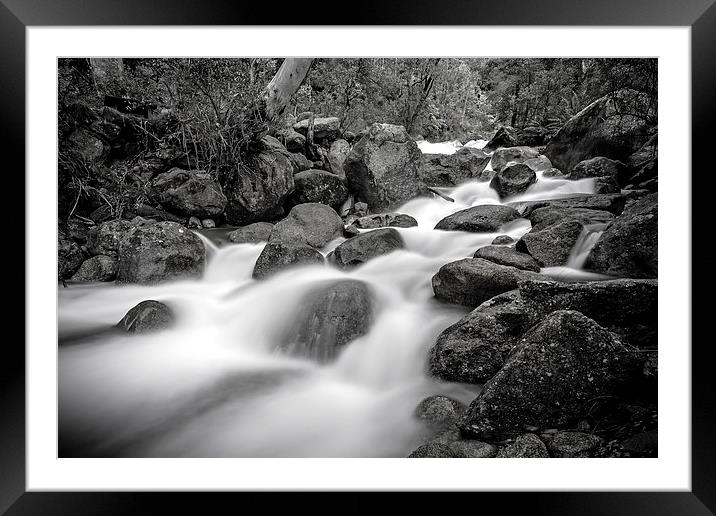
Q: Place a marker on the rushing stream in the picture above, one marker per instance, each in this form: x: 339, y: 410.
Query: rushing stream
x: 214, y: 386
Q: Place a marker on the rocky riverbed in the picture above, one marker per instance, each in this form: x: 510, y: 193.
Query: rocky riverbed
x: 394, y: 298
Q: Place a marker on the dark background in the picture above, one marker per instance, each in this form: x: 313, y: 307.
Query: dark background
x: 15, y: 15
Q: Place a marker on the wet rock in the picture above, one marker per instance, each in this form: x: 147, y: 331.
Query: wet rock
x: 383, y: 220
x: 337, y: 156
x: 163, y: 251
x: 513, y: 179
x: 383, y: 167
x: 312, y: 224
x: 503, y: 240
x: 323, y: 128
x: 329, y: 319
x: 96, y: 268
x: 472, y: 281
x: 208, y: 223
x: 440, y: 412
x: 552, y: 245
x: 560, y: 365
x: 485, y: 218
x: 471, y: 449
x: 257, y: 192
x: 453, y: 169
x: 251, y: 234
x: 146, y: 317
x: 573, y: 445
x: 526, y: 446
x: 104, y: 239
x: 597, y: 167
x: 69, y: 256
x: 351, y: 231
x: 539, y: 163
x: 474, y: 349
x: 613, y: 203
x: 628, y: 247
x: 319, y: 186
x: 603, y: 128
x: 501, y: 157
x: 553, y: 172
x: 366, y: 246
x: 278, y: 256
x: 542, y: 218
x: 627, y: 307
x: 508, y: 256
x: 433, y: 450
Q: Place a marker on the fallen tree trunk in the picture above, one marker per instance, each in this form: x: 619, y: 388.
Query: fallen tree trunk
x: 440, y: 194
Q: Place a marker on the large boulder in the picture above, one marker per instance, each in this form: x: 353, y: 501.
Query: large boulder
x: 628, y: 247
x: 337, y: 156
x: 453, y: 169
x: 605, y: 127
x: 105, y: 238
x: 383, y: 167
x: 501, y: 157
x: 484, y: 218
x: 319, y: 186
x: 507, y: 256
x: 257, y: 190
x: 513, y: 179
x: 330, y: 317
x: 474, y: 349
x: 164, y: 251
x: 69, y: 256
x: 251, y: 233
x: 312, y: 224
x: 552, y: 245
x: 366, y: 246
x: 96, y: 268
x: 146, y: 317
x: 597, y: 167
x: 625, y: 306
x: 327, y: 128
x: 385, y: 220
x: 190, y: 193
x: 561, y: 365
x: 472, y: 281
x: 505, y: 136
x: 542, y: 218
x: 539, y: 164
x: 278, y: 256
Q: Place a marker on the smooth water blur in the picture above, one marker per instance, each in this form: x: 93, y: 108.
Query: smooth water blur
x: 215, y: 386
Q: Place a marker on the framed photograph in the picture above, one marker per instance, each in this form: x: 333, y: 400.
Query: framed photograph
x: 299, y: 256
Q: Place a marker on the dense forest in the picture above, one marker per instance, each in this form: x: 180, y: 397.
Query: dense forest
x: 205, y: 108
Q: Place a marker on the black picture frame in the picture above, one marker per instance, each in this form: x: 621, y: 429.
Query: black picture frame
x: 700, y: 15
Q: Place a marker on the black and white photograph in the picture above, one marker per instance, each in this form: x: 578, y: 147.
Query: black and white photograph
x: 357, y: 257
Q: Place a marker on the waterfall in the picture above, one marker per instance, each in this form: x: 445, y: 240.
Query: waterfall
x: 214, y: 385
x: 584, y: 244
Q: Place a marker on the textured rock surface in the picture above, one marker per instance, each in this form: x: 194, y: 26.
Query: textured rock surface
x: 359, y: 249
x: 485, y: 218
x: 251, y: 233
x: 147, y: 316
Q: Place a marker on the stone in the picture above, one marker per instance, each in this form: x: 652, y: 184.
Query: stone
x: 189, y: 193
x: 69, y: 256
x: 603, y: 128
x: 453, y: 169
x: 508, y: 256
x: 146, y: 317
x: 208, y: 223
x: 613, y: 203
x: 383, y: 167
x: 472, y: 281
x: 471, y: 449
x: 501, y: 157
x: 105, y: 238
x: 513, y: 179
x: 440, y: 412
x: 503, y: 240
x: 644, y: 443
x: 278, y: 256
x: 87, y: 146
x: 251, y: 233
x: 542, y: 218
x: 319, y: 186
x: 484, y: 218
x: 194, y: 223
x: 312, y: 224
x: 330, y: 317
x: 366, y: 246
x: 474, y: 349
x: 382, y: 220
x: 552, y: 245
x: 292, y: 140
x: 96, y: 268
x: 433, y: 450
x: 573, y: 445
x: 526, y: 446
x: 628, y: 246
x: 327, y: 128
x: 159, y: 252
x: 597, y: 167
x: 337, y: 156
x: 539, y: 163
x: 553, y: 173
x: 560, y: 365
